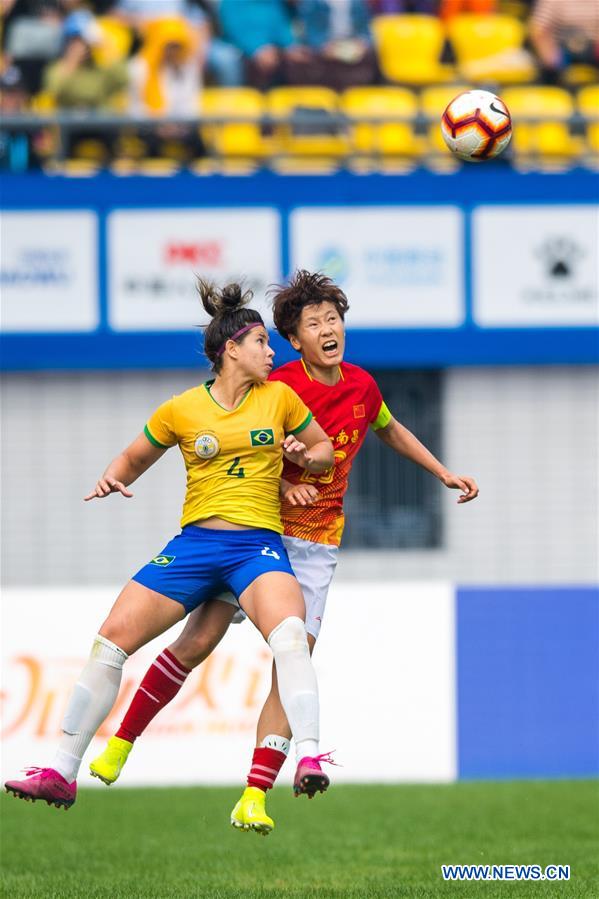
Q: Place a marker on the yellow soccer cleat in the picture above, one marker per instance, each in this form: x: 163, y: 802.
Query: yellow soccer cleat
x: 111, y: 762
x: 250, y: 812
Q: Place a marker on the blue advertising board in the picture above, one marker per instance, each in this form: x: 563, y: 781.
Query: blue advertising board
x: 483, y: 266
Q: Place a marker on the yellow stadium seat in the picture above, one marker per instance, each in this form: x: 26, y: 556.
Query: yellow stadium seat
x: 546, y: 133
x: 588, y: 101
x: 43, y: 103
x: 433, y: 101
x: 305, y: 165
x: 312, y: 130
x: 490, y: 48
x: 76, y: 168
x: 577, y: 75
x: 588, y: 105
x: 234, y: 138
x: 388, y: 138
x: 409, y: 48
x: 117, y: 39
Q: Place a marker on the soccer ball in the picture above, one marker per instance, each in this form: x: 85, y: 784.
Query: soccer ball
x: 476, y: 125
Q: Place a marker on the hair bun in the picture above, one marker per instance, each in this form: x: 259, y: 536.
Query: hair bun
x: 220, y: 302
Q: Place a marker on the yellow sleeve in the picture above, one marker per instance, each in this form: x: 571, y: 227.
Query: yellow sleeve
x: 297, y: 414
x: 382, y: 419
x: 160, y: 428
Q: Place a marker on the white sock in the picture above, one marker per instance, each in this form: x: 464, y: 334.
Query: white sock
x: 297, y: 681
x: 91, y: 700
x: 304, y: 748
x: 272, y: 741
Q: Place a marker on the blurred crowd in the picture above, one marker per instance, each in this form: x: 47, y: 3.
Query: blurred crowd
x: 152, y: 58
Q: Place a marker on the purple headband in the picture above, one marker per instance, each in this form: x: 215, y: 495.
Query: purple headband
x: 238, y: 334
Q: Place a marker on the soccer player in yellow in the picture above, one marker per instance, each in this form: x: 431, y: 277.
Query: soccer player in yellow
x: 309, y: 311
x: 232, y: 432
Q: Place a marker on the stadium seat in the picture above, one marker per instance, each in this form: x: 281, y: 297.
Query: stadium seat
x: 305, y: 165
x: 43, y: 103
x: 234, y: 138
x: 433, y: 101
x: 578, y: 75
x: 76, y: 168
x: 588, y: 105
x: 313, y: 128
x: 409, y: 48
x: 117, y: 39
x: 388, y: 138
x: 547, y: 132
x: 490, y: 48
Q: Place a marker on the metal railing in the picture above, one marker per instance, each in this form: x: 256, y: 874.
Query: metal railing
x: 311, y: 123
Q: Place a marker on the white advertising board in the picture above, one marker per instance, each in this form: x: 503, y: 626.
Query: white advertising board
x: 154, y: 256
x: 385, y: 661
x: 536, y: 266
x: 49, y: 271
x: 400, y: 266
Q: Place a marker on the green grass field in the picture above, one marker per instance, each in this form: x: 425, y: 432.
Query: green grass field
x: 358, y: 842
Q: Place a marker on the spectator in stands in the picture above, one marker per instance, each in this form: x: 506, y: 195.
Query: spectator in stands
x: 223, y: 62
x: 337, y: 35
x: 262, y: 31
x: 166, y: 80
x: 564, y: 32
x: 31, y: 36
x: 166, y: 75
x: 75, y: 80
x: 18, y: 147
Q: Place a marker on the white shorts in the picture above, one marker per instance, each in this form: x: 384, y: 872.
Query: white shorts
x: 314, y: 566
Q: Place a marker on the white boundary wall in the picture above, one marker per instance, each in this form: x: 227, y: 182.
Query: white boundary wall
x: 385, y: 661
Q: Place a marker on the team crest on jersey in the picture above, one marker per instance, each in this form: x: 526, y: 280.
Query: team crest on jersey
x: 262, y: 437
x: 207, y: 445
x: 360, y: 411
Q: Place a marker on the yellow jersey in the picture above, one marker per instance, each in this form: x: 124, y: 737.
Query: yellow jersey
x: 233, y: 457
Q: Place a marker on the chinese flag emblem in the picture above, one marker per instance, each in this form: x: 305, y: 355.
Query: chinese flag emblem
x: 360, y: 411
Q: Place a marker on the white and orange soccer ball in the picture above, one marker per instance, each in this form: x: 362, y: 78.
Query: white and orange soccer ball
x: 476, y: 125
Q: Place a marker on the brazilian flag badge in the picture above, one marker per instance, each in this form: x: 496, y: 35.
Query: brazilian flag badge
x: 162, y: 561
x: 262, y: 437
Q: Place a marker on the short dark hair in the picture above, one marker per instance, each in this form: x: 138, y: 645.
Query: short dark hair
x: 304, y: 289
x: 227, y: 306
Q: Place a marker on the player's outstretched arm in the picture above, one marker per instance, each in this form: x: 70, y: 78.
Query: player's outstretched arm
x: 314, y: 451
x: 407, y: 445
x: 126, y: 468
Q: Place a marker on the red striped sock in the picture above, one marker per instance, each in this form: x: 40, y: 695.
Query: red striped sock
x: 266, y: 764
x: 161, y: 683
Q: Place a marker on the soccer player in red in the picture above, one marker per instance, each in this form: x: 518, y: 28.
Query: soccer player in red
x: 310, y: 313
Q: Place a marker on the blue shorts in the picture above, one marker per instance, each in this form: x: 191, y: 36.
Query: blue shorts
x: 199, y: 563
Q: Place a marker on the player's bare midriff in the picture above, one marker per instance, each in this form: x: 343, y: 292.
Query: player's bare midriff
x: 219, y: 524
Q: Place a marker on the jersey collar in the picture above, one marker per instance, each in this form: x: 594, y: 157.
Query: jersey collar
x: 310, y: 378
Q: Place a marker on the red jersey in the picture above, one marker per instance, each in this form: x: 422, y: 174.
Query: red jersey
x: 345, y: 411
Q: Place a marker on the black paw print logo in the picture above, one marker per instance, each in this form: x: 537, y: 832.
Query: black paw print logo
x: 560, y: 255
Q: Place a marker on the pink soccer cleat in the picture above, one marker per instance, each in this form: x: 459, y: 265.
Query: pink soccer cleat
x: 309, y: 777
x: 44, y: 783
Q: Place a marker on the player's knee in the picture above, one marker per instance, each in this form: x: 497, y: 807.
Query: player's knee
x: 289, y: 637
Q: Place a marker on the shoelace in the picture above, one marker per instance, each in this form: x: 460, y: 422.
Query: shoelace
x: 34, y: 770
x: 327, y: 757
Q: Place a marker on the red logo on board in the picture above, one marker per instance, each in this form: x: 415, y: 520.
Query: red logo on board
x: 360, y: 411
x: 209, y: 252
